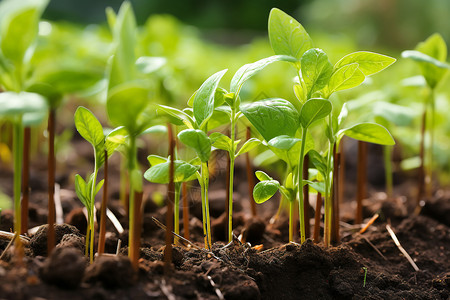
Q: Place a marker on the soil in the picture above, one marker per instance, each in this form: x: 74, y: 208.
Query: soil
x: 362, y: 266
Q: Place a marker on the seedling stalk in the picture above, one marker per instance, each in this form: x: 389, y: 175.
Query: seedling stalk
x: 102, y: 233
x: 250, y: 179
x: 317, y: 218
x: 51, y: 240
x: 185, y: 210
x: 170, y: 201
x: 362, y: 179
x: 25, y: 179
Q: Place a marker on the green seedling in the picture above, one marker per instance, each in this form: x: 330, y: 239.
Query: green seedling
x: 128, y: 106
x: 365, y: 276
x: 318, y: 79
x: 431, y: 55
x: 92, y: 131
x: 18, y: 31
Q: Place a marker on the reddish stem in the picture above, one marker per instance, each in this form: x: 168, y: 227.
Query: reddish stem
x: 51, y: 182
x: 317, y: 218
x: 102, y: 233
x: 361, y: 181
x: 335, y: 196
x: 170, y: 202
x: 137, y: 229
x: 250, y: 179
x: 421, y: 175
x: 306, y: 197
x: 25, y: 179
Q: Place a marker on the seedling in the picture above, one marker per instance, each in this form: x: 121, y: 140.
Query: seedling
x: 431, y: 55
x: 318, y: 79
x: 365, y: 276
x: 91, y: 130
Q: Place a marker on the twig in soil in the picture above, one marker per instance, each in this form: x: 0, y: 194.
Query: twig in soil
x: 216, y: 289
x: 119, y: 244
x: 114, y: 220
x: 4, y: 235
x: 11, y: 242
x: 162, y: 226
x: 374, y: 247
x: 402, y: 250
x: 375, y: 216
x: 167, y: 291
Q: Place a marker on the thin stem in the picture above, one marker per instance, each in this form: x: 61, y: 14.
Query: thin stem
x: 250, y: 179
x: 51, y: 182
x: 362, y: 178
x: 176, y: 211
x: 102, y: 233
x: 387, y: 155
x: 335, y: 194
x: 185, y: 211
x: 301, y: 206
x: 316, y: 234
x: 88, y: 231
x: 291, y: 220
x: 429, y: 169
x: 306, y: 197
x: 171, y: 197
x: 205, y: 205
x: 18, y: 153
x: 230, y: 191
x: 132, y: 221
x: 25, y: 177
x: 328, y: 185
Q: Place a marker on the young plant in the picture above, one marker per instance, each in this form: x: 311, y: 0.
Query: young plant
x: 18, y: 31
x: 431, y: 55
x: 92, y: 131
x: 318, y: 79
x: 128, y: 106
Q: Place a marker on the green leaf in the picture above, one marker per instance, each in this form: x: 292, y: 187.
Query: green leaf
x: 122, y: 65
x: 300, y: 92
x: 114, y: 139
x: 313, y: 110
x: 150, y: 64
x: 394, y: 113
x: 264, y: 190
x: 424, y: 58
x: 318, y: 186
x: 318, y: 161
x: 125, y: 103
x: 287, y: 36
x: 368, y: 62
x: 81, y: 189
x: 286, y: 148
x: 346, y: 77
x: 178, y: 114
x: 198, y: 140
x: 14, y: 104
x: 159, y: 173
x: 249, y: 70
x: 272, y: 117
x: 248, y: 145
x: 88, y: 126
x: 203, y: 104
x: 155, y: 129
x: 262, y: 176
x: 99, y: 186
x: 368, y: 132
x: 221, y: 141
x: 156, y: 160
x: 316, y: 70
x: 19, y: 22
x: 434, y: 46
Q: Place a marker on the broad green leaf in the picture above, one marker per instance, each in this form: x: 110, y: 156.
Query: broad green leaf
x: 264, y: 190
x: 313, y: 110
x: 81, y: 191
x: 434, y: 46
x: 318, y: 161
x: 346, y: 77
x: 368, y: 132
x: 14, y: 104
x: 394, y: 113
x: 248, y: 145
x: 114, y: 139
x: 272, y: 117
x: 125, y: 103
x: 149, y: 64
x: 70, y: 80
x: 99, y: 186
x: 432, y: 69
x: 122, y: 66
x: 286, y: 148
x: 203, y: 104
x: 301, y: 92
x: 368, y: 62
x: 88, y: 126
x: 262, y: 176
x: 219, y: 117
x: 221, y: 141
x: 161, y: 129
x: 178, y: 114
x: 156, y: 160
x: 160, y: 173
x: 316, y: 70
x: 287, y: 36
x: 318, y: 186
x: 198, y: 140
x: 249, y: 70
x: 19, y: 22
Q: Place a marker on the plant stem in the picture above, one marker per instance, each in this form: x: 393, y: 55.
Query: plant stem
x: 132, y: 220
x: 205, y: 205
x: 185, y: 211
x: 250, y: 179
x: 18, y: 149
x: 328, y: 186
x: 301, y: 207
x: 230, y: 191
x: 429, y: 168
x: 102, y: 233
x: 291, y: 220
x: 51, y: 182
x: 25, y: 177
x: 387, y: 155
x: 171, y: 197
x: 335, y: 194
x: 306, y: 196
x: 176, y: 211
x: 361, y: 181
x: 316, y: 234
